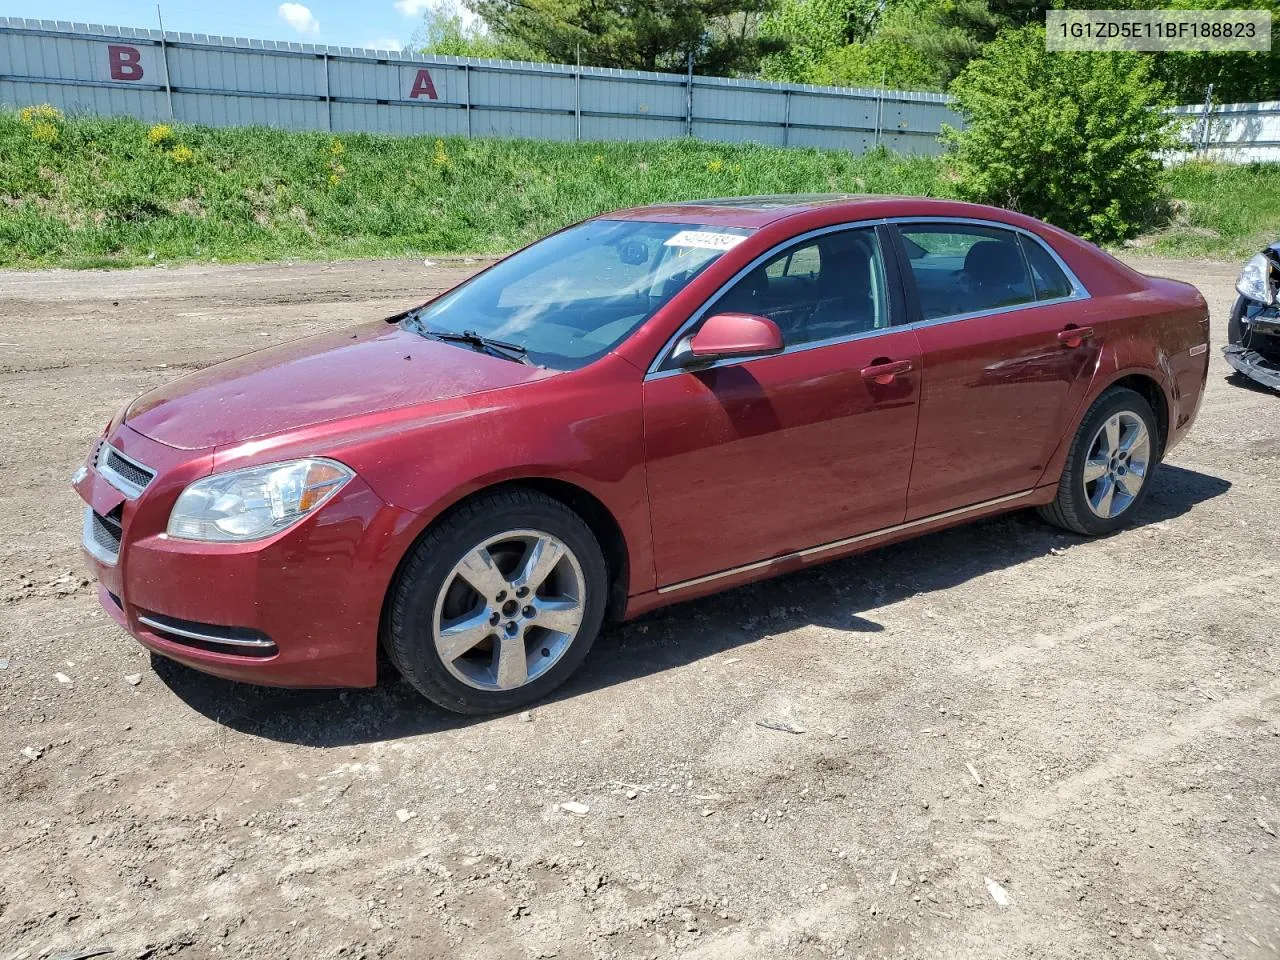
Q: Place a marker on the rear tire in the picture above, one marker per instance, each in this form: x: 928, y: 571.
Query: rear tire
x: 1109, y: 471
x: 498, y: 603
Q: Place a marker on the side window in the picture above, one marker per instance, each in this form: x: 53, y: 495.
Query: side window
x: 960, y: 268
x: 1050, y: 282
x: 803, y: 262
x: 826, y: 288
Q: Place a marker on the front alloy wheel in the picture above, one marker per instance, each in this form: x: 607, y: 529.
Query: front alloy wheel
x: 509, y: 610
x: 497, y: 603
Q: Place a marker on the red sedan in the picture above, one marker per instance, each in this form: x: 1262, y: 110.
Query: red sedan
x: 646, y: 407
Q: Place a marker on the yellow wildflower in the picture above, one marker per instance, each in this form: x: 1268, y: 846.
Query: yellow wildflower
x: 159, y: 134
x: 441, y: 158
x: 716, y: 165
x: 182, y: 154
x: 44, y: 112
x: 42, y: 131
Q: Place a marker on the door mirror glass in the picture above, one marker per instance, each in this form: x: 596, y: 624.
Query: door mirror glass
x: 726, y: 335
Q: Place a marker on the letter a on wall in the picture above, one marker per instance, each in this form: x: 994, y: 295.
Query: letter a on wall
x: 423, y: 87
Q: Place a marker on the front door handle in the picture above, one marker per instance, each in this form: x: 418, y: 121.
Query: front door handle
x: 883, y: 373
x: 1074, y: 336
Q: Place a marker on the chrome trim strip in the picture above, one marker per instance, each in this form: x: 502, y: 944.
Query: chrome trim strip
x: 91, y: 545
x: 1198, y: 349
x: 204, y: 637
x: 847, y: 541
x: 120, y: 482
x: 1079, y: 292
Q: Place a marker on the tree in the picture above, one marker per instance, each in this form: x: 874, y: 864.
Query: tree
x: 887, y: 60
x: 951, y: 33
x: 1072, y: 138
x: 1236, y: 77
x: 850, y: 43
x: 631, y: 34
x: 811, y: 31
x: 444, y: 31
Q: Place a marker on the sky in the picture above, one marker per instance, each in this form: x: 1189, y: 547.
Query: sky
x: 383, y: 24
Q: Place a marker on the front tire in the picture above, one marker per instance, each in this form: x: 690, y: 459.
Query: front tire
x: 1109, y: 470
x: 498, y: 604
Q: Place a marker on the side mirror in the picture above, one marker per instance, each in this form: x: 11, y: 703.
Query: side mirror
x: 725, y: 335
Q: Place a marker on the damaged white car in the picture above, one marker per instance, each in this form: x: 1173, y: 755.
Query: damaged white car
x: 1253, y: 332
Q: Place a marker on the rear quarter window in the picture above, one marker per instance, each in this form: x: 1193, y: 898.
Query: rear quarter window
x: 1049, y: 280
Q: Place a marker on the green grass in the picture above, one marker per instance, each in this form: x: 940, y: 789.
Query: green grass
x: 104, y: 194
x: 1218, y: 211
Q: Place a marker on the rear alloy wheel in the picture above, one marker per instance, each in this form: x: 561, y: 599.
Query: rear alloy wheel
x: 498, y: 603
x: 1109, y: 468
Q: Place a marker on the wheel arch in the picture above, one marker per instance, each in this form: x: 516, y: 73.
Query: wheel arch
x: 1142, y: 380
x: 604, y: 525
x: 1146, y: 386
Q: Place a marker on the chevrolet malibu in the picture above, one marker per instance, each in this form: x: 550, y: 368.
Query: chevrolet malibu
x: 646, y: 407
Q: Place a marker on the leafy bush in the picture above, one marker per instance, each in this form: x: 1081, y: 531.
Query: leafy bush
x: 1072, y: 138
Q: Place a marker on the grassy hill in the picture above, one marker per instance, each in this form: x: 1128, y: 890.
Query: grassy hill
x: 91, y: 192
x: 85, y: 191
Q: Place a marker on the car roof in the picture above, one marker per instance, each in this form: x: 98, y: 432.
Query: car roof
x: 754, y: 211
x: 740, y: 211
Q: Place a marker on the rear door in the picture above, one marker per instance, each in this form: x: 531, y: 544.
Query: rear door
x: 1003, y: 374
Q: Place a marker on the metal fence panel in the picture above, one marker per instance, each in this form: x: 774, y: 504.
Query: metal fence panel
x: 225, y: 81
x: 642, y: 100
x: 1232, y: 132
x: 231, y: 81
x: 631, y: 128
x: 148, y: 105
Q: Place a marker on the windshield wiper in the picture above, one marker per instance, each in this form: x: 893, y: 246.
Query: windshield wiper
x: 495, y: 348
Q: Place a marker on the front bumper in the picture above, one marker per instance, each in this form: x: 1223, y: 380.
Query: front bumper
x: 300, y: 608
x: 1253, y: 365
x: 1253, y: 342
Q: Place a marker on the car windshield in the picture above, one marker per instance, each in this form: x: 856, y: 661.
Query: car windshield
x: 572, y: 297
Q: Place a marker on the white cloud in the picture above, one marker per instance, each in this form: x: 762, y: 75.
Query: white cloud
x: 416, y: 8
x: 298, y: 17
x: 384, y: 43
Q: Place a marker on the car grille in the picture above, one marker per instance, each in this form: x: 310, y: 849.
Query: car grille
x: 125, y: 474
x: 102, y: 534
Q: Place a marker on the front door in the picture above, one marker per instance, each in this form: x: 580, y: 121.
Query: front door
x: 1000, y: 386
x: 756, y: 458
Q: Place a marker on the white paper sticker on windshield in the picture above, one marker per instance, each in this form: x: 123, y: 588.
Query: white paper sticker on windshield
x: 705, y: 240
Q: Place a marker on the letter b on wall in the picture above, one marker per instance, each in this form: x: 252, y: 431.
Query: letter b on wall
x: 125, y: 62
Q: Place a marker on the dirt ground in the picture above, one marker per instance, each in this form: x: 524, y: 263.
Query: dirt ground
x: 1015, y: 743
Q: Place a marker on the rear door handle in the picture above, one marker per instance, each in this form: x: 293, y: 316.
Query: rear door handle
x: 1074, y: 336
x: 883, y: 373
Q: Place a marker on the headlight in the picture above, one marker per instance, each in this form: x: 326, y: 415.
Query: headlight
x: 1254, y: 281
x: 256, y: 502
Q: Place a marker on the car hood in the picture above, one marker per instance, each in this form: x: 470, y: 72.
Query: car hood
x: 315, y: 380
